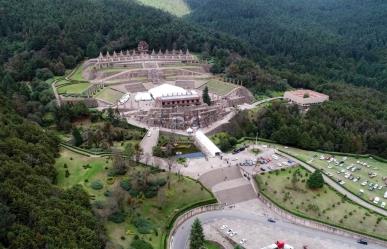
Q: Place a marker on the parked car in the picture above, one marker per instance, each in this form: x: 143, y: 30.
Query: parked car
x: 271, y: 220
x: 362, y: 241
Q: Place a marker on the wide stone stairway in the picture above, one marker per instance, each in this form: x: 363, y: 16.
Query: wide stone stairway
x: 228, y: 185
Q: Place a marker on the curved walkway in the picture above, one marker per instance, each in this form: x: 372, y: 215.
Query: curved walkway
x: 339, y: 188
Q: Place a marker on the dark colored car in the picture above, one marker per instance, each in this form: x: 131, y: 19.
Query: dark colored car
x: 271, y: 220
x: 362, y: 241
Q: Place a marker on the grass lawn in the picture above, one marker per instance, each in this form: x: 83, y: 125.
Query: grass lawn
x: 157, y: 210
x: 109, y: 95
x: 73, y: 88
x: 78, y: 174
x: 211, y: 245
x: 176, y: 7
x: 218, y: 87
x: 324, y: 204
x: 77, y: 75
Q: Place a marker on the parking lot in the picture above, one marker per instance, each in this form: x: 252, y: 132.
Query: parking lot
x: 254, y: 159
x: 357, y: 175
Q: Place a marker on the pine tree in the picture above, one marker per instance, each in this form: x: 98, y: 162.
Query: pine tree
x: 77, y: 137
x: 197, y: 235
x: 315, y: 180
x: 206, y: 96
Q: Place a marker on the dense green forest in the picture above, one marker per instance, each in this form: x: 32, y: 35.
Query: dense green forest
x: 308, y: 42
x: 34, y: 213
x: 336, y: 125
x: 326, y: 45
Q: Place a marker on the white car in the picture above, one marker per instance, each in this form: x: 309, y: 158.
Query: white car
x: 364, y: 183
x: 243, y: 241
x: 342, y: 182
x: 383, y: 204
x: 233, y: 234
x: 223, y: 227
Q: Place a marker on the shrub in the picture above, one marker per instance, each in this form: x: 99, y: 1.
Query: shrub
x: 107, y: 193
x: 67, y: 173
x: 125, y: 184
x: 98, y: 205
x: 140, y: 244
x: 96, y: 185
x: 117, y: 217
x: 143, y: 226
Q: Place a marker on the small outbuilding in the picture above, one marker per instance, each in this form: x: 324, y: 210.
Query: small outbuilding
x: 305, y: 98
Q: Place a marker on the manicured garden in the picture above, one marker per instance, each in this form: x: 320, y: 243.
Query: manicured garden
x: 135, y: 206
x: 288, y: 189
x: 170, y: 145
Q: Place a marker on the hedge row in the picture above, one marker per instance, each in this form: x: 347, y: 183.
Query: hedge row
x: 85, y: 151
x: 378, y: 158
x: 317, y: 220
x: 242, y: 139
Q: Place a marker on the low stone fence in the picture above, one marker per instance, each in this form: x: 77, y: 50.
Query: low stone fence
x: 189, y: 214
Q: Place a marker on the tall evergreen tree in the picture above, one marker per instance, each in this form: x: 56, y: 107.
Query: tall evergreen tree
x: 315, y: 180
x: 197, y: 235
x: 77, y: 137
x: 206, y: 96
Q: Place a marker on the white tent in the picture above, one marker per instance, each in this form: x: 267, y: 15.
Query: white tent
x: 167, y: 90
x: 143, y: 96
x: 206, y: 144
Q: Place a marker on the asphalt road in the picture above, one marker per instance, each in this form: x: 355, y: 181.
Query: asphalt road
x: 181, y: 237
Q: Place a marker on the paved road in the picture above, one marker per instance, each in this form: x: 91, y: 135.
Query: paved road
x: 181, y: 237
x: 339, y: 188
x: 149, y: 141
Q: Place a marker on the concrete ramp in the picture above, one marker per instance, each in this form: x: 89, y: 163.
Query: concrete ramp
x: 150, y: 140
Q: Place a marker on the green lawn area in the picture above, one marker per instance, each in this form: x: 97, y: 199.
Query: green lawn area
x: 176, y: 7
x: 73, y: 88
x: 78, y: 174
x: 324, y: 204
x: 109, y: 95
x: 211, y: 245
x: 77, y: 75
x: 156, y: 210
x: 218, y: 87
